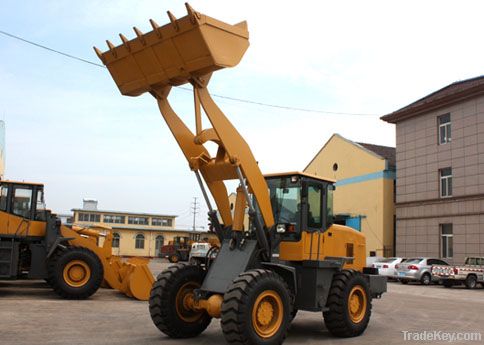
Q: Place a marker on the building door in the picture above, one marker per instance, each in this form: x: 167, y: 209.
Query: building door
x: 159, y: 242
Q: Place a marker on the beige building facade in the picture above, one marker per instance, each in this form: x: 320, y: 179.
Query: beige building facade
x: 364, y: 194
x: 440, y: 173
x: 134, y: 234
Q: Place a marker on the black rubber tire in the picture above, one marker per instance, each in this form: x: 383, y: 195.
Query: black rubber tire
x: 403, y: 281
x: 163, y: 301
x: 471, y: 282
x: 337, y: 318
x: 238, y: 303
x: 426, y: 279
x: 55, y: 269
x: 174, y: 258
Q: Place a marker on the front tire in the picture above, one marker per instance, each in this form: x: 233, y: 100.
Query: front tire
x: 174, y: 258
x: 75, y: 273
x: 256, y: 309
x: 349, y: 304
x: 167, y: 309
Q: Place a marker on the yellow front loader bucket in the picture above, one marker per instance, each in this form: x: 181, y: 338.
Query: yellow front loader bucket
x: 131, y: 277
x: 174, y: 54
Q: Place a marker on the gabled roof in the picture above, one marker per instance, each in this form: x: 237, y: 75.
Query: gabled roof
x: 383, y: 152
x: 387, y: 152
x: 451, y: 94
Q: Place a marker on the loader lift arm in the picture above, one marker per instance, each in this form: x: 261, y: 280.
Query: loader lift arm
x: 143, y: 65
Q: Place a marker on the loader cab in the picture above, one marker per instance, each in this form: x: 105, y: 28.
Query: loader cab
x: 300, y: 202
x: 22, y: 199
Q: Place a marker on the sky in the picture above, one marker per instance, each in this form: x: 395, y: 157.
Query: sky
x: 68, y: 126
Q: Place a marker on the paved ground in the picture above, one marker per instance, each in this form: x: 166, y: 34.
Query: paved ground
x: 30, y: 313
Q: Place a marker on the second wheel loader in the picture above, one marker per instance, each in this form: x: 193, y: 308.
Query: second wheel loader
x: 292, y: 257
x: 35, y: 245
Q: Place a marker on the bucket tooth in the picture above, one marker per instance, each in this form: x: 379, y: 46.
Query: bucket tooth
x: 125, y: 41
x: 173, y: 20
x: 112, y: 48
x: 192, y: 13
x: 156, y: 27
x: 139, y: 34
x: 99, y: 54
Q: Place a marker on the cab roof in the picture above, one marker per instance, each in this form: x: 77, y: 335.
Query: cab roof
x: 292, y: 173
x: 21, y: 182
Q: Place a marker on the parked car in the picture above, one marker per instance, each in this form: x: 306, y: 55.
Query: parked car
x: 469, y: 274
x: 418, y: 269
x: 370, y: 260
x: 386, y: 266
x: 200, y: 251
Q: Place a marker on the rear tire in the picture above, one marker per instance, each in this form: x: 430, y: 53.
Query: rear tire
x: 256, y: 309
x: 166, y: 302
x: 471, y: 282
x: 75, y: 273
x: 426, y: 279
x: 349, y: 304
x: 403, y: 281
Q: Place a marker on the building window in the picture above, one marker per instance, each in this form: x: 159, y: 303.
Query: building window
x: 116, y: 238
x: 445, y: 182
x: 89, y: 217
x: 446, y: 240
x: 140, y: 242
x: 159, y: 242
x: 138, y: 220
x: 109, y: 218
x: 160, y: 222
x: 444, y: 129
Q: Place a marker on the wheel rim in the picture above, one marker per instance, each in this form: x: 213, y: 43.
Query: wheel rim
x: 426, y: 279
x: 183, y: 297
x: 76, y: 273
x: 357, y: 304
x: 267, y: 314
x: 174, y: 258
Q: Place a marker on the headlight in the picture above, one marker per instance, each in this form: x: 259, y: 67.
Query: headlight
x: 281, y: 228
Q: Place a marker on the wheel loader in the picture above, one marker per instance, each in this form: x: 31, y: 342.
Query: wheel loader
x: 35, y: 245
x: 292, y: 257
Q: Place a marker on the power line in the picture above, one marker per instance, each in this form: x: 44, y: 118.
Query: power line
x: 284, y: 107
x: 50, y: 49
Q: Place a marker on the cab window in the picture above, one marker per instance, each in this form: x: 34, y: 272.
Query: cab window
x: 314, y: 207
x: 3, y: 198
x: 22, y: 202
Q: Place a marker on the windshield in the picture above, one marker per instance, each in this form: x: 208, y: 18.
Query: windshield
x: 285, y: 200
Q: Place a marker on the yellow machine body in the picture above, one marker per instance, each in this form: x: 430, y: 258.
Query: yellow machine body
x: 311, y: 250
x: 132, y: 277
x: 337, y: 241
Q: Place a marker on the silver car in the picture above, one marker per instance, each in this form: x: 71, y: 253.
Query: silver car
x: 418, y: 269
x: 386, y: 266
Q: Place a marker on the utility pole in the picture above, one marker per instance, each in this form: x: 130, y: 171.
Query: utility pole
x: 195, y: 208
